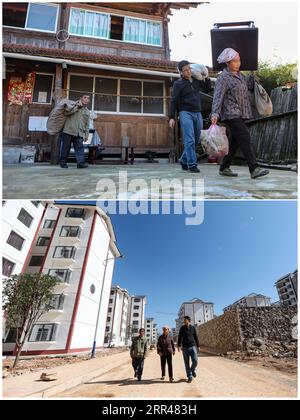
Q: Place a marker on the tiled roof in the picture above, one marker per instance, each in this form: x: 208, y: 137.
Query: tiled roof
x: 160, y: 65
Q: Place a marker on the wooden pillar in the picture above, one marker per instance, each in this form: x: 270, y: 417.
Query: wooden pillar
x: 166, y: 31
x: 55, y: 140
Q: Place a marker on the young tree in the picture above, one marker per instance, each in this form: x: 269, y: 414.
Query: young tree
x: 26, y: 297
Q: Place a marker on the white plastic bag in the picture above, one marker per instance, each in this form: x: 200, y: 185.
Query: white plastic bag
x: 199, y: 71
x: 215, y: 141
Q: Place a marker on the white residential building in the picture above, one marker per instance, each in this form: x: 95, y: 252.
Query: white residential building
x: 75, y: 243
x: 137, y: 314
x: 151, y: 330
x: 198, y: 310
x: 116, y: 331
x: 251, y: 301
x: 20, y: 221
x: 287, y: 288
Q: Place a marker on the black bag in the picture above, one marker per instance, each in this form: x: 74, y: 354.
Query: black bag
x: 242, y: 39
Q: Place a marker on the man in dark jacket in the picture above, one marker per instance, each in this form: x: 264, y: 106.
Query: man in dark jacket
x: 186, y: 97
x: 188, y: 339
x: 138, y: 353
x: 166, y: 350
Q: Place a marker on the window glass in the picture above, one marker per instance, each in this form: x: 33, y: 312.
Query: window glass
x: 42, y: 16
x: 106, y: 94
x: 42, y: 91
x: 131, y: 91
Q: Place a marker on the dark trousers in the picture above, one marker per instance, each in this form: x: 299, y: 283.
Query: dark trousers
x: 163, y: 361
x: 66, y: 142
x: 239, y: 137
x: 138, y: 366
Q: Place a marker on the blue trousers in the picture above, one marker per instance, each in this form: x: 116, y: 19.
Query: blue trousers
x: 190, y: 353
x: 191, y: 124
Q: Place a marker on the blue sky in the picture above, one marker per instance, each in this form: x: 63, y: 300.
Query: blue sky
x: 242, y: 247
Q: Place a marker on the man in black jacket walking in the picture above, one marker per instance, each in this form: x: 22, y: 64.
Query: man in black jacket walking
x: 166, y: 349
x: 188, y: 339
x: 186, y: 98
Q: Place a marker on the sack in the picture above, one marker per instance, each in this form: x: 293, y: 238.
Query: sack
x: 262, y: 100
x: 215, y: 141
x: 57, y: 117
x: 199, y: 71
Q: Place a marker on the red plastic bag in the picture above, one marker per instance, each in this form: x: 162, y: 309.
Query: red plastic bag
x: 215, y: 141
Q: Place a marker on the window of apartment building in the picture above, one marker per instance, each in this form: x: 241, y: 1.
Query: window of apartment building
x: 36, y: 261
x: 135, y: 322
x: 137, y: 300
x: 71, y: 231
x: 49, y: 224
x: 64, y: 252
x: 109, y: 310
x: 120, y: 28
x: 57, y: 302
x: 15, y: 240
x: 114, y: 95
x: 43, y: 332
x: 108, y: 319
x: 135, y: 315
x: 74, y: 212
x: 43, y: 241
x: 43, y: 86
x: 25, y: 217
x: 63, y: 275
x: 36, y: 203
x: 7, y: 267
x: 11, y: 336
x: 107, y: 329
x: 136, y: 307
x: 34, y: 16
x: 111, y: 300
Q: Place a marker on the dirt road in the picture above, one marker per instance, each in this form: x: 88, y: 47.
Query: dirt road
x: 216, y: 377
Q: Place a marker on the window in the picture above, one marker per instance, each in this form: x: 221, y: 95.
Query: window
x: 72, y: 231
x: 36, y: 261
x: 109, y: 310
x: 25, y: 217
x: 36, y: 16
x: 135, y: 315
x: 101, y: 25
x: 131, y: 92
x: 135, y: 322
x: 106, y: 94
x: 42, y: 91
x: 62, y: 275
x: 11, y: 336
x: 36, y: 203
x: 111, y: 300
x: 15, y: 240
x: 7, y: 267
x: 120, y: 95
x: 43, y: 241
x: 64, y: 252
x: 108, y: 319
x: 43, y: 332
x: 137, y: 300
x: 88, y: 23
x: 107, y: 329
x: 136, y: 308
x: 73, y: 212
x: 57, y: 302
x: 49, y: 224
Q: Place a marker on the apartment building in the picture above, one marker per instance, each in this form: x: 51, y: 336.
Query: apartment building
x: 198, y: 310
x: 75, y: 243
x: 151, y: 330
x: 253, y: 300
x: 287, y: 288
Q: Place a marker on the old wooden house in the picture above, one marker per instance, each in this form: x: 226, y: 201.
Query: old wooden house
x: 119, y: 53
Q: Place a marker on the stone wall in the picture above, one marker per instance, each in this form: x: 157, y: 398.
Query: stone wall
x: 222, y: 333
x: 268, y: 330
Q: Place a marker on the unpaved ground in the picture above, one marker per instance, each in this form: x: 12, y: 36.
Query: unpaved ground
x: 217, y: 377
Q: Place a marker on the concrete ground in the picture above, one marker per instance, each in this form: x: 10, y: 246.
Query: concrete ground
x: 44, y: 181
x: 112, y: 377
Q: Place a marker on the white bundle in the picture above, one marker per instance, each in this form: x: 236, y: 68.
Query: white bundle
x: 199, y: 71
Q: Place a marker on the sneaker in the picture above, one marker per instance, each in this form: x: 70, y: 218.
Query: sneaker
x: 139, y: 378
x: 171, y: 380
x: 258, y: 172
x: 64, y: 166
x: 163, y: 378
x: 194, y: 374
x: 227, y: 172
x: 184, y: 167
x: 194, y: 169
x: 189, y: 380
x: 82, y: 165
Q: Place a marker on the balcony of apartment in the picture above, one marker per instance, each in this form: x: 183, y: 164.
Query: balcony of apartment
x: 75, y: 216
x: 69, y: 235
x: 63, y: 277
x: 64, y: 256
x: 56, y: 306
